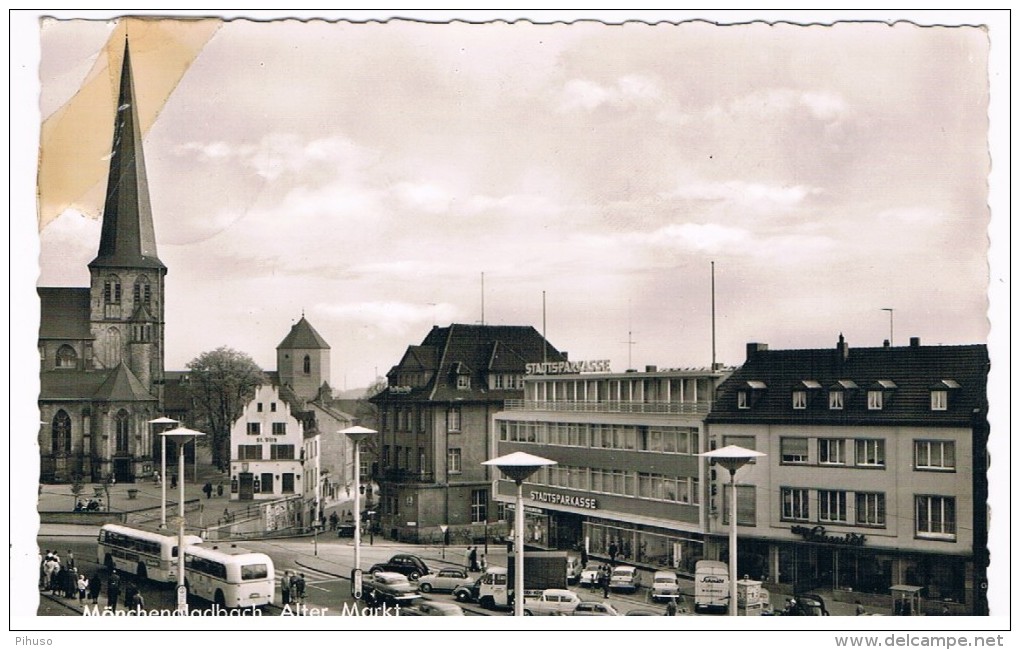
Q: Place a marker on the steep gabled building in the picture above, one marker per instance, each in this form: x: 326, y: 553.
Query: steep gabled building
x: 875, y: 473
x: 434, y: 427
x: 102, y: 347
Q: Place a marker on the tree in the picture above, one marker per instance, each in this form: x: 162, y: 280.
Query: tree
x: 221, y: 382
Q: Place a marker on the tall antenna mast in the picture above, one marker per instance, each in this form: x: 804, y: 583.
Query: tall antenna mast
x: 713, y: 315
x: 483, y: 297
x: 544, y: 341
x: 890, y: 310
x: 630, y: 338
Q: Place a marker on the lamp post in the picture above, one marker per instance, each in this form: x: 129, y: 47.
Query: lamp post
x: 357, y: 434
x: 732, y: 458
x: 517, y: 467
x: 182, y: 436
x: 162, y: 477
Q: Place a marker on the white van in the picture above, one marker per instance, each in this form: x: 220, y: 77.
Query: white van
x: 711, y: 585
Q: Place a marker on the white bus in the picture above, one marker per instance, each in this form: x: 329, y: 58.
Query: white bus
x: 229, y: 576
x: 145, y: 553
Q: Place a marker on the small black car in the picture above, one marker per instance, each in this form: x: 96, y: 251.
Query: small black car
x: 807, y: 605
x: 411, y: 566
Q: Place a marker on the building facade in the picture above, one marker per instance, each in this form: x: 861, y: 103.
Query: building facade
x: 628, y: 481
x: 102, y: 348
x: 434, y: 428
x: 266, y: 445
x: 874, y: 473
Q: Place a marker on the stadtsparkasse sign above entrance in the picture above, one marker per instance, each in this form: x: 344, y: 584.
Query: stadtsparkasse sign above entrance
x: 566, y: 367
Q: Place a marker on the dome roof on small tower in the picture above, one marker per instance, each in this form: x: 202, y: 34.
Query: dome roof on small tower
x: 303, y: 336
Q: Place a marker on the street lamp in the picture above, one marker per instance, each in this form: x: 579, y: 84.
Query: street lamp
x: 357, y: 435
x: 732, y: 458
x: 517, y: 467
x: 162, y: 477
x: 182, y: 436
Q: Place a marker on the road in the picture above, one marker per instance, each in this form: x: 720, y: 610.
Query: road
x: 326, y: 563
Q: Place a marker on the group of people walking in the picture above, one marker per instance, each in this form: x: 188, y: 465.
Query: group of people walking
x: 61, y: 577
x: 292, y: 588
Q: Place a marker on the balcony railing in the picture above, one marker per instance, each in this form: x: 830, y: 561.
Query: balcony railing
x: 682, y: 408
x: 405, y: 476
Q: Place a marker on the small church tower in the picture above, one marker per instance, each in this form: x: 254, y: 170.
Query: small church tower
x: 302, y: 360
x: 127, y: 291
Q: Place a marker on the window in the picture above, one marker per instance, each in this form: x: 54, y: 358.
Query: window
x: 463, y: 382
x: 307, y: 365
x: 272, y: 407
x: 67, y: 357
x: 934, y: 454
x: 830, y: 451
x: 795, y: 504
x: 453, y: 460
x: 875, y: 400
x: 422, y: 419
x: 258, y: 407
x: 935, y: 516
x: 111, y: 290
x: 835, y: 400
x: 479, y: 506
x: 385, y: 456
x: 249, y: 452
x: 281, y: 452
x: 870, y: 453
x: 122, y: 423
x: 742, y: 400
x: 142, y: 291
x: 61, y: 440
x: 746, y: 515
x: 279, y: 428
x: 831, y: 505
x: 288, y: 483
x: 747, y: 442
x: 939, y: 400
x: 794, y: 450
x: 266, y: 486
x: 453, y: 419
x: 799, y: 400
x: 871, y: 508
x: 421, y: 459
x: 254, y: 428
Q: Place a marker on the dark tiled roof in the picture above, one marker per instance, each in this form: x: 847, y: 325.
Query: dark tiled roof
x: 122, y: 386
x: 303, y: 336
x: 64, y: 313
x: 478, y: 349
x: 77, y: 385
x: 913, y: 370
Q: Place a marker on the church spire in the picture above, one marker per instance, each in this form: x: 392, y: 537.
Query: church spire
x: 128, y: 238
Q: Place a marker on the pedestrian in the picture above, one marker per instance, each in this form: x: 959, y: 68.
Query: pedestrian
x: 207, y: 488
x: 584, y: 557
x: 285, y: 588
x: 483, y: 563
x: 613, y: 550
x: 155, y: 478
x: 95, y: 587
x: 859, y: 609
x: 219, y: 489
x: 113, y: 590
x: 70, y: 582
x: 130, y: 591
x: 137, y: 601
x: 671, y: 607
x: 604, y: 580
x: 945, y: 610
x: 83, y: 588
x: 334, y: 521
x: 298, y: 588
x: 173, y: 481
x: 473, y: 560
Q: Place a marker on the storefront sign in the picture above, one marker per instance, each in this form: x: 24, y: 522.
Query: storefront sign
x: 566, y: 367
x: 817, y: 534
x: 564, y: 499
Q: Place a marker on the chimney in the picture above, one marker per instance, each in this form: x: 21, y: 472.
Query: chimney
x: 842, y: 347
x: 651, y: 368
x: 915, y: 341
x: 885, y: 343
x: 755, y: 348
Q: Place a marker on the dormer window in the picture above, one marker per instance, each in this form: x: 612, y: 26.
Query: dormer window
x: 878, y: 392
x: 463, y: 382
x: 940, y: 394
x: 743, y: 400
x: 875, y: 400
x: 835, y: 400
x: 838, y: 392
x: 749, y: 393
x: 799, y: 400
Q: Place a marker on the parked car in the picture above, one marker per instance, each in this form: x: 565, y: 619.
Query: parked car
x: 665, y: 586
x: 589, y: 578
x: 806, y: 605
x: 387, y: 587
x: 595, y: 608
x: 444, y: 580
x: 422, y: 607
x: 552, y: 602
x: 411, y: 566
x: 624, y: 578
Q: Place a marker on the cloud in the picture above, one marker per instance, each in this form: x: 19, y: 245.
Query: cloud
x: 771, y: 103
x: 582, y: 94
x: 912, y: 215
x: 758, y: 196
x: 389, y: 317
x: 67, y: 245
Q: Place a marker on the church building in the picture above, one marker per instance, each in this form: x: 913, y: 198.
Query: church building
x: 101, y: 347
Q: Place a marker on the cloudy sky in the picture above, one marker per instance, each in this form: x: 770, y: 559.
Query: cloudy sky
x: 369, y: 174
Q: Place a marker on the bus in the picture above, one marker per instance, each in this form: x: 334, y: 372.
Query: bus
x: 229, y: 576
x: 711, y: 585
x: 145, y: 553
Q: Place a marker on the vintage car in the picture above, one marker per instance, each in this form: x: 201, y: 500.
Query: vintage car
x: 447, y: 579
x: 624, y: 578
x: 388, y: 588
x: 665, y: 586
x: 595, y: 608
x: 411, y: 566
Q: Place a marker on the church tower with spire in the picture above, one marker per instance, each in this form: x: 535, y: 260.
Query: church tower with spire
x: 302, y: 360
x: 128, y: 279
